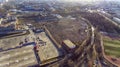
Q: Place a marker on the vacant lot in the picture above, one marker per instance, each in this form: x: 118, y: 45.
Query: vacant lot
x: 68, y: 29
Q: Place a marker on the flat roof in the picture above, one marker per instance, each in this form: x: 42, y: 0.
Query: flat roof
x: 20, y: 57
x: 25, y: 56
x: 69, y: 43
x: 49, y: 50
x: 13, y: 42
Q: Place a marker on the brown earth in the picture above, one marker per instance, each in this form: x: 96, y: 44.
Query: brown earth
x: 113, y: 59
x: 100, y: 22
x: 68, y: 29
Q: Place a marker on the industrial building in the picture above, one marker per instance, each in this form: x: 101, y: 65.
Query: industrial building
x: 68, y: 45
x: 47, y: 52
x: 19, y: 50
x: 116, y: 20
x: 20, y: 57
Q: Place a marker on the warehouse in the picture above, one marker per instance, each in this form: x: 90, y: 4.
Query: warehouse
x: 68, y: 45
x: 20, y: 57
x: 48, y: 52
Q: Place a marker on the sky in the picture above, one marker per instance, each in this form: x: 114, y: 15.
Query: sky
x: 69, y: 0
x: 80, y: 0
x: 91, y: 0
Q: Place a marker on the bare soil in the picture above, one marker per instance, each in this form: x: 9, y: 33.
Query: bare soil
x: 68, y: 29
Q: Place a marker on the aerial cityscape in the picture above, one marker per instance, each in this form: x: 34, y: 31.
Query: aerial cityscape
x: 59, y: 33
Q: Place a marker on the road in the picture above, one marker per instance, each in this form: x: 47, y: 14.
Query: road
x: 105, y: 62
x: 88, y: 49
x: 94, y: 45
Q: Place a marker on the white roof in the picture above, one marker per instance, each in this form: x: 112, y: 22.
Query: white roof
x: 7, y: 58
x: 69, y: 44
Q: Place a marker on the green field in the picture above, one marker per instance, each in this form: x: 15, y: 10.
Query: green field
x: 112, y: 47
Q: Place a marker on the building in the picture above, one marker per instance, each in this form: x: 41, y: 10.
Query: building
x: 20, y: 50
x: 19, y: 57
x: 68, y: 45
x: 48, y: 52
x: 116, y: 20
x: 7, y: 29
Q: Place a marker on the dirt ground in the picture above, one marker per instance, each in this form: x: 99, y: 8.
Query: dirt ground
x: 69, y: 29
x: 115, y: 60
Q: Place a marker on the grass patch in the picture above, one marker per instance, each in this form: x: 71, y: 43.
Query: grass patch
x: 115, y: 42
x: 112, y: 53
x: 112, y: 47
